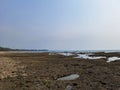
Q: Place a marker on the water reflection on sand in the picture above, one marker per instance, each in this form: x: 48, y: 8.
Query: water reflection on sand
x: 86, y: 56
x: 69, y: 77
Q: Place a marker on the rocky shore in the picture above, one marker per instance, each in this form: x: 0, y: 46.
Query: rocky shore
x: 41, y: 71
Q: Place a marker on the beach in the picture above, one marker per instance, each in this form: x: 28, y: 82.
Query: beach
x: 48, y: 71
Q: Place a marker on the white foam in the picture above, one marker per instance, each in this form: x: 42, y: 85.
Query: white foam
x: 111, y: 59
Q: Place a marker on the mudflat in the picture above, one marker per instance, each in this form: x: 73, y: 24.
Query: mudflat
x: 41, y: 71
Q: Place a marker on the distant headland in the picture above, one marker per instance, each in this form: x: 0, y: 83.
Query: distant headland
x: 10, y: 49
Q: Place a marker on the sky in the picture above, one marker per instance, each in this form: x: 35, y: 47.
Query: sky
x: 60, y: 24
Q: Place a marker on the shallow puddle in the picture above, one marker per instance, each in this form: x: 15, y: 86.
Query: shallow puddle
x: 70, y: 77
x: 65, y: 54
x: 86, y: 56
x: 68, y: 87
x: 111, y: 59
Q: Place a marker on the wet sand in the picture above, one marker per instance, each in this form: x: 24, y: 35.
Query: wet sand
x: 40, y: 71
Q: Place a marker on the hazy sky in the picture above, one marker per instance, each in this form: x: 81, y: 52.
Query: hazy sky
x: 60, y: 24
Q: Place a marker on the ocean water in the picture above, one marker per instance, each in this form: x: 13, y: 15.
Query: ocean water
x: 69, y: 51
x: 84, y: 51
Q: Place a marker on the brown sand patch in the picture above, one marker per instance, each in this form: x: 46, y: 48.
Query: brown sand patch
x: 8, y: 67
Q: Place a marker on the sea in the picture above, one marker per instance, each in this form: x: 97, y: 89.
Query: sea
x: 59, y: 51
